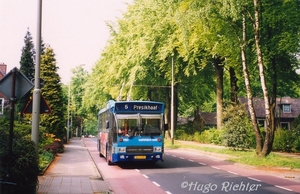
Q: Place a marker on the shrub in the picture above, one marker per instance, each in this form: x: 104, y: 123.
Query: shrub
x: 182, y: 135
x: 22, y: 165
x: 55, y: 147
x: 209, y: 136
x: 45, y: 158
x: 237, y: 127
x: 285, y: 140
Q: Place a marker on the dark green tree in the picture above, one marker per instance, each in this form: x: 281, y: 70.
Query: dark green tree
x: 26, y: 67
x: 27, y: 57
x: 53, y: 94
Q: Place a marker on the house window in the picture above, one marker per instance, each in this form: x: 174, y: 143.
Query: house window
x: 286, y: 108
x: 285, y: 125
x: 261, y: 122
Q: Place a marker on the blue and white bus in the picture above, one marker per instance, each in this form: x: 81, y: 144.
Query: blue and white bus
x: 131, y: 131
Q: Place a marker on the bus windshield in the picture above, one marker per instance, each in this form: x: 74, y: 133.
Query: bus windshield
x: 138, y: 125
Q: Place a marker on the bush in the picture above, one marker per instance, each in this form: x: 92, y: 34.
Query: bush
x: 285, y: 140
x: 45, y: 158
x: 182, y: 135
x: 237, y: 127
x: 209, y: 136
x: 22, y: 165
x: 55, y: 147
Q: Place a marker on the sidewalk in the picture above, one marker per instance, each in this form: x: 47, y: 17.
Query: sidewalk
x: 72, y: 172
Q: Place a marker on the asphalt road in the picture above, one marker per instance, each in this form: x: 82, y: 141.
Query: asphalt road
x: 186, y: 171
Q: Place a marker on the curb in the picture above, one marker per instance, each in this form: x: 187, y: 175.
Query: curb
x: 101, y: 177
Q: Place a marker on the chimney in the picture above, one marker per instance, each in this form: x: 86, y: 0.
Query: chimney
x: 2, y: 69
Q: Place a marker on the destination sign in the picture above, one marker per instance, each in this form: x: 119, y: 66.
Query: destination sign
x: 145, y: 107
x: 139, y: 107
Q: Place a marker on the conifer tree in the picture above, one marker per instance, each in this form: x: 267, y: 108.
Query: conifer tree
x: 53, y: 94
x: 27, y: 57
x: 26, y: 67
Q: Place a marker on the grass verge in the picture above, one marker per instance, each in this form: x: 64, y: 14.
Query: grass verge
x: 248, y: 157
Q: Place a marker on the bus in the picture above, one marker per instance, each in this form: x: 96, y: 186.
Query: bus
x: 131, y: 131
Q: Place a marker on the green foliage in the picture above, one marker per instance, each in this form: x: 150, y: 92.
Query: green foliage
x: 182, y: 135
x: 49, y: 146
x: 23, y: 163
x: 52, y: 92
x: 27, y: 57
x: 208, y: 136
x: 45, y: 158
x: 237, y: 127
x: 26, y: 67
x: 286, y: 140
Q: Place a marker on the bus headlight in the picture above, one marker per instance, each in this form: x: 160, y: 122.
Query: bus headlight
x: 157, y: 149
x: 121, y: 149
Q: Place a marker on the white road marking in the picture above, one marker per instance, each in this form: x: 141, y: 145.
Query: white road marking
x: 232, y: 172
x: 145, y: 176
x: 254, y: 179
x: 283, y: 188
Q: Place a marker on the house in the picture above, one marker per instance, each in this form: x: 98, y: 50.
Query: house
x: 287, y: 109
x: 200, y: 121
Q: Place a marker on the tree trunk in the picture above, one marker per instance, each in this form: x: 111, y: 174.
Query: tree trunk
x: 149, y: 94
x: 219, y: 89
x: 233, y: 86
x: 175, y: 106
x: 251, y: 109
x: 168, y: 112
x: 269, y: 129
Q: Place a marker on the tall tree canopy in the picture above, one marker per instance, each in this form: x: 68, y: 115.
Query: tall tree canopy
x: 27, y: 64
x: 52, y: 92
x: 212, y: 43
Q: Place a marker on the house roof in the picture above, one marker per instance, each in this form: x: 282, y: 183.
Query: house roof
x: 210, y: 118
x: 259, y: 107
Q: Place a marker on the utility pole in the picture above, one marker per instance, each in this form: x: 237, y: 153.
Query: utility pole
x: 172, y: 103
x: 36, y: 98
x: 68, y: 130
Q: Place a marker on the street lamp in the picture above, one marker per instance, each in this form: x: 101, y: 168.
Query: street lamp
x: 172, y: 103
x: 68, y: 130
x: 36, y: 98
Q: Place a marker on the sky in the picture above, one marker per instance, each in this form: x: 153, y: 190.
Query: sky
x: 74, y: 29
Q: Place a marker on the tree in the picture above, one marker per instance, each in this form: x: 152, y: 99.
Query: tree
x: 53, y: 94
x: 27, y: 67
x: 77, y: 86
x: 278, y: 51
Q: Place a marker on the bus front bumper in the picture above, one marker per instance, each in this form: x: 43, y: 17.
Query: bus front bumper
x: 123, y: 157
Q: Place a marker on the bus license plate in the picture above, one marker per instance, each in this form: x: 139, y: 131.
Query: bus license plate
x: 139, y: 157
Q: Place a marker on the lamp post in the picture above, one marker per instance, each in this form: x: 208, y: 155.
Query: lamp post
x: 36, y: 98
x: 68, y: 127
x: 172, y: 103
